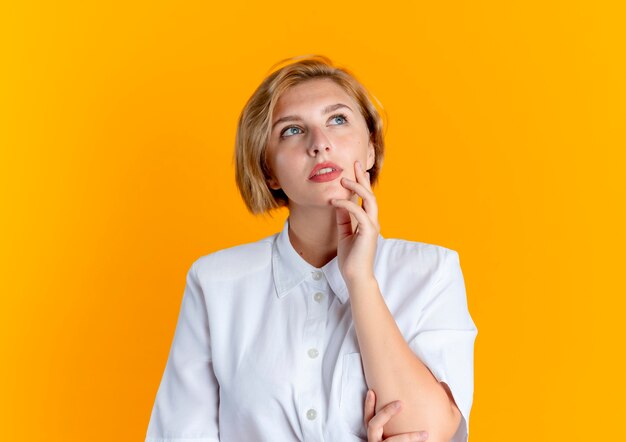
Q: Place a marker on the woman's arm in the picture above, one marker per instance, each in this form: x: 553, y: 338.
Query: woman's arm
x: 394, y: 372
x: 391, y: 367
x: 187, y: 400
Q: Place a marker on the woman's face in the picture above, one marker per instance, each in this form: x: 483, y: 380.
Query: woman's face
x: 316, y: 122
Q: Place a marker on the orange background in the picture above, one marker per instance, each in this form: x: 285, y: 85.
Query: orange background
x: 505, y: 142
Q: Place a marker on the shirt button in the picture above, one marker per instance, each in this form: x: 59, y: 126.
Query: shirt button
x: 311, y: 414
x: 318, y: 297
x: 313, y: 353
x: 317, y: 275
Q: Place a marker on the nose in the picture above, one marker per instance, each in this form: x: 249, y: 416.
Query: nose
x: 319, y: 142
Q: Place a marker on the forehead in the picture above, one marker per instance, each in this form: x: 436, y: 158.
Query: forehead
x: 312, y: 95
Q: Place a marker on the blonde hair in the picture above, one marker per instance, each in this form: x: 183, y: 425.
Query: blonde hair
x: 254, y: 126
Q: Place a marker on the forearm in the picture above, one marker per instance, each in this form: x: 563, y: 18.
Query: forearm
x: 394, y: 372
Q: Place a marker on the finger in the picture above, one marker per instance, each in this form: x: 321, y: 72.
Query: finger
x: 344, y: 222
x: 365, y: 223
x: 417, y: 436
x: 355, y: 187
x: 370, y: 406
x: 375, y: 425
x: 363, y: 176
x: 369, y: 181
x: 369, y: 199
x: 361, y: 180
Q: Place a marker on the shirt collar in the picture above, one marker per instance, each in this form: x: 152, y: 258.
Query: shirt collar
x: 290, y: 269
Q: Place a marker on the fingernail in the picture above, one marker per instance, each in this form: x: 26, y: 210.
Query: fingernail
x: 396, y: 404
x: 423, y: 435
x: 358, y: 164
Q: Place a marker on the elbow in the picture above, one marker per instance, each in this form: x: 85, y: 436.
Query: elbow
x: 445, y: 427
x: 441, y: 425
x: 453, y: 418
x: 454, y: 422
x: 448, y: 427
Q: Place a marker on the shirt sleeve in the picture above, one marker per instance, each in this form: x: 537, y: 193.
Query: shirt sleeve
x: 187, y: 402
x: 446, y: 341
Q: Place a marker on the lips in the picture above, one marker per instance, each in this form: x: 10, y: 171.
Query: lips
x: 324, y: 165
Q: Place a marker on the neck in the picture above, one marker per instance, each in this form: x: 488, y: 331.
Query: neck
x: 313, y: 234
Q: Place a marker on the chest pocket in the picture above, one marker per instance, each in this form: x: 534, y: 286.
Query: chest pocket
x: 353, y: 391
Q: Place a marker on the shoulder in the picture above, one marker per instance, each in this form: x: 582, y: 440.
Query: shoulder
x: 397, y: 250
x: 235, y: 261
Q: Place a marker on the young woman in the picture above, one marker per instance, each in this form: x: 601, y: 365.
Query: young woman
x: 325, y: 331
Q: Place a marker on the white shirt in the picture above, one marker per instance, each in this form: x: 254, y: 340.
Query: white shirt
x: 265, y: 347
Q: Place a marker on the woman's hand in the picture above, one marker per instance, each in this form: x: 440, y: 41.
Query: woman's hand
x: 374, y: 422
x: 356, y: 249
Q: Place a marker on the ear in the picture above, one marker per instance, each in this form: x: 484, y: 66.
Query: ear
x: 371, y: 155
x: 272, y: 183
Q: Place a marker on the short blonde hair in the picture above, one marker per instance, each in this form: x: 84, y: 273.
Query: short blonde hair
x: 255, y: 121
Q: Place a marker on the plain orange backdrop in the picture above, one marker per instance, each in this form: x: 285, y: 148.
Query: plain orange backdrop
x: 505, y: 142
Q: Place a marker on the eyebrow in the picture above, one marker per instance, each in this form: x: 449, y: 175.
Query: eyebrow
x: 326, y: 110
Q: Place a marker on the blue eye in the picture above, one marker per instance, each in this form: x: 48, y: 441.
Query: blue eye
x: 341, y: 117
x: 285, y: 131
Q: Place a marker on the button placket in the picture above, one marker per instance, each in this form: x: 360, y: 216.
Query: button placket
x: 311, y: 400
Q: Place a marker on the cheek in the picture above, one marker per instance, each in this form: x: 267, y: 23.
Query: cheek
x: 353, y: 148
x: 285, y: 166
x: 354, y: 142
